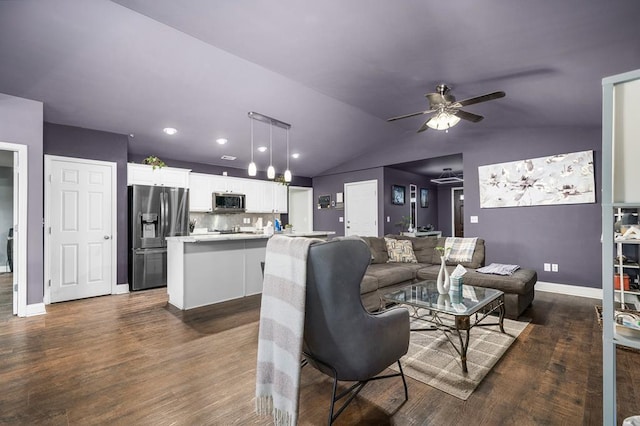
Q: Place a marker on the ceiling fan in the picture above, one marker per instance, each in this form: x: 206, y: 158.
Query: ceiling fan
x: 448, y: 110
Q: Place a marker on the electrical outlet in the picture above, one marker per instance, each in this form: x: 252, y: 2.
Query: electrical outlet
x: 547, y: 267
x: 388, y: 219
x: 554, y: 267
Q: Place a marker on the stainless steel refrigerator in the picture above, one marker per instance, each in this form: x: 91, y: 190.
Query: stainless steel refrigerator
x: 155, y: 212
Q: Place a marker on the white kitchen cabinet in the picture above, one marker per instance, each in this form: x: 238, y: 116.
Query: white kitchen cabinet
x: 227, y: 184
x: 280, y: 195
x: 262, y: 196
x: 200, y: 192
x: 143, y: 174
x: 207, y: 272
x: 218, y: 183
x: 256, y: 192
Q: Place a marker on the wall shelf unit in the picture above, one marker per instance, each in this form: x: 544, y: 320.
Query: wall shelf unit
x: 620, y: 198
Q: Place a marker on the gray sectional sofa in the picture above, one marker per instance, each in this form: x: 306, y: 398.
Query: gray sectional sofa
x: 382, y: 277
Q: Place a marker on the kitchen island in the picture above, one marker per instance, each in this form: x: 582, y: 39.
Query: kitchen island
x: 210, y: 268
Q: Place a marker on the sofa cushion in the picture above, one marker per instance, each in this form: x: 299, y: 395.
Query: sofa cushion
x: 423, y: 247
x: 389, y: 274
x: 400, y: 251
x: 378, y: 249
x: 369, y: 283
x: 476, y: 261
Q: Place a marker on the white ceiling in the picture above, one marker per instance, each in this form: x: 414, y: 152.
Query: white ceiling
x: 335, y: 70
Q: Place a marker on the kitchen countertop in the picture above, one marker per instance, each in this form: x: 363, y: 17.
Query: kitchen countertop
x: 214, y: 236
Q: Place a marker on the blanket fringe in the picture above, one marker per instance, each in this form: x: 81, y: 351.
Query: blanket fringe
x: 264, y: 406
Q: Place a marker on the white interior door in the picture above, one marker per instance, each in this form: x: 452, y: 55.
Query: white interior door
x: 79, y: 224
x: 361, y: 208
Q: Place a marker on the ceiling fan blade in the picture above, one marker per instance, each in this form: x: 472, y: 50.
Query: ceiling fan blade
x: 478, y: 99
x: 400, y: 117
x: 469, y: 116
x: 423, y: 127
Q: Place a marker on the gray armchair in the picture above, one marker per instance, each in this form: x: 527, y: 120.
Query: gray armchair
x: 342, y: 339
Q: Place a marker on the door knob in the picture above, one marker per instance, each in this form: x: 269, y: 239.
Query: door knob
x: 106, y: 237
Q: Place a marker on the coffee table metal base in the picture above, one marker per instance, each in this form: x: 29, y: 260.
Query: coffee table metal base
x: 462, y: 325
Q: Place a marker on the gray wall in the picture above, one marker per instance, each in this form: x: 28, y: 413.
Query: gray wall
x: 21, y: 123
x: 77, y: 142
x: 568, y: 235
x: 426, y: 216
x: 328, y: 219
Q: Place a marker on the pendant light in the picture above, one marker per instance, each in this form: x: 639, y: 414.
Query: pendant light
x: 287, y: 173
x: 253, y: 170
x: 271, y: 172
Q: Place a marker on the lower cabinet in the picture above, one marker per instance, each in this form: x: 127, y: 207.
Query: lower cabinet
x: 207, y: 272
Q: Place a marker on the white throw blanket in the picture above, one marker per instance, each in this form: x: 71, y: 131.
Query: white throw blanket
x: 282, y: 328
x: 460, y: 249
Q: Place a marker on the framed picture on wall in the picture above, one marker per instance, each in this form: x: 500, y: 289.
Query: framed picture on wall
x: 424, y: 197
x: 397, y: 195
x: 324, y: 201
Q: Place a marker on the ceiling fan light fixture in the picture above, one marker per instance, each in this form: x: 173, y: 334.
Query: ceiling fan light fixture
x: 443, y: 121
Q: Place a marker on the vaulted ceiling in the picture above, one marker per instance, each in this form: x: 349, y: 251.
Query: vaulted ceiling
x: 335, y: 70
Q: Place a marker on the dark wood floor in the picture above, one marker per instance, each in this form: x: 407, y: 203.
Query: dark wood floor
x: 6, y: 295
x: 133, y: 359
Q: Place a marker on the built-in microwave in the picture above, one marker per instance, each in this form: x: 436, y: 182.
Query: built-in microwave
x: 226, y: 202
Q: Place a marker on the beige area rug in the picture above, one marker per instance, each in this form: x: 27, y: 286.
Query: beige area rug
x: 432, y: 360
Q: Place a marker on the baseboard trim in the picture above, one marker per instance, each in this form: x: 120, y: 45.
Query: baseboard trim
x: 571, y: 290
x: 121, y: 289
x: 35, y: 309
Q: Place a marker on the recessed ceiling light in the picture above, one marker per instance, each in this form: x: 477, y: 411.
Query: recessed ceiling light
x: 221, y: 141
x: 262, y: 148
x: 131, y: 135
x: 228, y: 157
x: 170, y: 130
x: 295, y: 155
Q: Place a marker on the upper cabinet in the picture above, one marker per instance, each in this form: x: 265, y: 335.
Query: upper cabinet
x: 280, y: 195
x: 201, y: 187
x: 262, y: 196
x: 142, y: 174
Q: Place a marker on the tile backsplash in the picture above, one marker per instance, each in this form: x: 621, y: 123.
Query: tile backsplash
x: 222, y: 222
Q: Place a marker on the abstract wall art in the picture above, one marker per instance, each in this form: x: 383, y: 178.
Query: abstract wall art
x: 397, y: 195
x: 558, y: 179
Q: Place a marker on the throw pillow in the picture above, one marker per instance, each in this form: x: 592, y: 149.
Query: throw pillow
x: 400, y: 251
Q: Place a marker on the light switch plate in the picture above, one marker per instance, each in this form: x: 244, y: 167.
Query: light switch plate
x: 547, y: 267
x: 474, y: 219
x: 341, y: 219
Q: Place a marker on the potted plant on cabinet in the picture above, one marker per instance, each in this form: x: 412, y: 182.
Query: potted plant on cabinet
x: 154, y: 161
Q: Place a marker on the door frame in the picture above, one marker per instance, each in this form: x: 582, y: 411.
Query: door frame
x: 48, y: 159
x: 346, y: 202
x: 453, y: 208
x: 20, y: 219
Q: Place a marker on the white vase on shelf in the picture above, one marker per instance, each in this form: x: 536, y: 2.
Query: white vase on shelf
x: 443, y: 277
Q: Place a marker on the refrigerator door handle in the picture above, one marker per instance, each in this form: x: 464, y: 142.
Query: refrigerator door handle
x: 163, y: 214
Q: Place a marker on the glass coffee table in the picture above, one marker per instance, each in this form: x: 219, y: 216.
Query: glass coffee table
x: 463, y: 313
